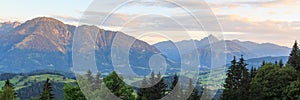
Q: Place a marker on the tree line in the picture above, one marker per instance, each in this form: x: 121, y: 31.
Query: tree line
x: 8, y: 92
x: 92, y: 87
x: 272, y: 81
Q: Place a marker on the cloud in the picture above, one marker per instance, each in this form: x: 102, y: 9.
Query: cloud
x: 235, y: 23
x: 273, y: 3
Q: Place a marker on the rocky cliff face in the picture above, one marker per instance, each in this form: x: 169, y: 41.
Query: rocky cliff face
x: 46, y: 43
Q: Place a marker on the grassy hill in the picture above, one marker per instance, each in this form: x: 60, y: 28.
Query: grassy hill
x: 30, y: 86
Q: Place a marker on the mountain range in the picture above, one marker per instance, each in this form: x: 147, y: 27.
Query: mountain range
x: 46, y: 43
x: 237, y: 48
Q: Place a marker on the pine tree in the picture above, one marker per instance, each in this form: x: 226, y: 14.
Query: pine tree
x: 46, y: 94
x: 253, y: 72
x: 276, y: 63
x: 281, y: 63
x: 160, y: 87
x: 97, y: 81
x: 175, y: 88
x: 237, y: 81
x: 230, y: 85
x: 8, y: 92
x: 89, y: 76
x: 263, y: 63
x: 245, y: 80
x: 194, y: 95
x: 294, y: 59
x: 175, y: 81
x: 143, y: 91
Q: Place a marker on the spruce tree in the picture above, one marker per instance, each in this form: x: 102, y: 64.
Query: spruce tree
x: 294, y: 59
x: 161, y: 87
x: 237, y: 81
x: 175, y: 88
x: 263, y: 63
x: 230, y: 85
x: 46, y: 94
x: 97, y: 81
x: 244, y: 86
x: 89, y: 76
x: 194, y: 92
x: 253, y: 72
x: 175, y: 81
x: 8, y: 92
x: 281, y: 63
x: 143, y: 91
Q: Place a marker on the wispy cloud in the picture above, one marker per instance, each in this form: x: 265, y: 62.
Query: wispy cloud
x: 273, y: 3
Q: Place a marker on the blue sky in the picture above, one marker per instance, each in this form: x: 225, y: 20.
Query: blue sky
x: 275, y: 21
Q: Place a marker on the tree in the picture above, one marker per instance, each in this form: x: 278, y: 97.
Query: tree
x: 73, y: 93
x: 237, y: 81
x: 245, y: 79
x: 281, y: 63
x: 8, y: 92
x: 263, y: 63
x: 294, y: 59
x: 175, y: 89
x: 253, y: 72
x: 89, y: 76
x: 143, y: 91
x: 270, y: 81
x: 116, y: 85
x: 160, y: 88
x: 231, y: 84
x: 292, y: 92
x: 175, y: 81
x: 46, y: 94
x: 97, y: 81
x: 194, y: 92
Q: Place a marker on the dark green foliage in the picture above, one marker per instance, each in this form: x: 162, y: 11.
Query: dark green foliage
x: 116, y: 85
x: 8, y: 92
x: 160, y: 88
x: 263, y: 63
x: 156, y: 89
x: 89, y: 76
x: 244, y: 80
x: 237, y: 81
x: 46, y: 94
x: 175, y: 81
x: 294, y: 59
x: 176, y: 91
x: 253, y: 72
x: 281, y: 63
x: 143, y: 92
x: 97, y: 81
x: 292, y: 92
x: 270, y: 81
x: 194, y: 95
x: 73, y: 93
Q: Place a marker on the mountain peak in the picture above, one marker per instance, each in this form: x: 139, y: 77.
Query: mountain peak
x: 212, y: 38
x: 46, y: 19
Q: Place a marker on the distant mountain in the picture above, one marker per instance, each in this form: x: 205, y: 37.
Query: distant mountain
x: 257, y: 62
x: 233, y: 48
x: 264, y: 49
x: 7, y: 26
x: 46, y: 43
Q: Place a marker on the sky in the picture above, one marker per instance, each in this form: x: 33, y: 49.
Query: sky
x: 273, y: 21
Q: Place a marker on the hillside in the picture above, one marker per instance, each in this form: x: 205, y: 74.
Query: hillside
x: 28, y: 86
